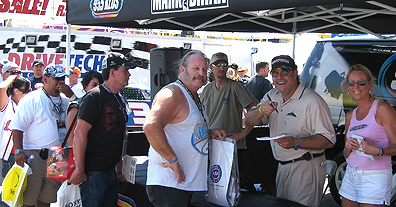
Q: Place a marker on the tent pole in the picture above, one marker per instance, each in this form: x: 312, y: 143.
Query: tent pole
x: 294, y: 45
x: 68, y: 36
x: 294, y: 31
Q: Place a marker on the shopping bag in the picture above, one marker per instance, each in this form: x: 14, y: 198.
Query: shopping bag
x: 69, y: 195
x: 223, y: 179
x: 60, y: 163
x: 14, y: 185
x: 60, y: 160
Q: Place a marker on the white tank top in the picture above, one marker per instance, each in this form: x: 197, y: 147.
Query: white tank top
x: 189, y: 140
x: 6, y: 115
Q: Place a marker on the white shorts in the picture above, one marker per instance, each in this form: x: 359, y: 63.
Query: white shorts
x: 367, y: 186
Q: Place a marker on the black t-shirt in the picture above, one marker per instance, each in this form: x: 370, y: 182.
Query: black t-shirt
x: 34, y: 80
x: 258, y: 85
x: 101, y: 109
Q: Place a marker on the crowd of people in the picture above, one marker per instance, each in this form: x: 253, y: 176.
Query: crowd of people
x: 299, y: 116
x: 40, y: 120
x: 180, y: 124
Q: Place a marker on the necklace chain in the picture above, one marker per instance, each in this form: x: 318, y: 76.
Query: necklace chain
x: 122, y: 108
x: 58, y: 108
x: 196, y: 100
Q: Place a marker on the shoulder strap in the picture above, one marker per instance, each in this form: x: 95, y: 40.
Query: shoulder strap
x: 69, y: 131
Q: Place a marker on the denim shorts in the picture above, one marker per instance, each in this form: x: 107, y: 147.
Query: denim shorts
x: 161, y: 196
x: 367, y: 186
x: 100, y: 189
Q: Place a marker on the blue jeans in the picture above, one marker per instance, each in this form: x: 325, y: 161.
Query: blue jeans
x: 100, y: 189
x: 161, y: 196
x: 6, y: 166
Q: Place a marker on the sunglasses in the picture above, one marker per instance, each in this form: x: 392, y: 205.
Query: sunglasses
x: 15, y: 72
x: 360, y: 83
x: 59, y: 78
x: 283, y: 73
x: 225, y: 65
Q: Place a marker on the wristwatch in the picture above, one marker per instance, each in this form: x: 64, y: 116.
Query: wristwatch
x: 297, y: 146
x: 73, y: 98
x: 17, y: 151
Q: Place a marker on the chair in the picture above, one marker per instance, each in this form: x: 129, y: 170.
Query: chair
x: 331, y: 167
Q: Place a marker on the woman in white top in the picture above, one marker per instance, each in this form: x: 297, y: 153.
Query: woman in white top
x: 11, y: 91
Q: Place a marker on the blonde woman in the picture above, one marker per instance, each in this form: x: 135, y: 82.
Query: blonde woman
x: 370, y: 127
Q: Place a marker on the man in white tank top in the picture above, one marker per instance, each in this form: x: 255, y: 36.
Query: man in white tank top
x: 176, y: 128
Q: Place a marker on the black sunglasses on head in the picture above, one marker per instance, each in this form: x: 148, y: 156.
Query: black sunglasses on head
x: 15, y: 72
x: 360, y: 83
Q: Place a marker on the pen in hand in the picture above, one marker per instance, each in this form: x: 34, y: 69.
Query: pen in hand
x: 272, y: 103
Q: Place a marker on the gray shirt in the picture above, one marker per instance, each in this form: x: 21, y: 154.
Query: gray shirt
x: 224, y: 106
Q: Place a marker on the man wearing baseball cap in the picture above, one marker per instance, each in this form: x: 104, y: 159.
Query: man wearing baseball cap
x: 76, y: 87
x: 37, y: 78
x: 102, y: 119
x: 10, y: 68
x: 224, y: 100
x: 40, y: 123
x: 303, y: 118
x: 74, y: 73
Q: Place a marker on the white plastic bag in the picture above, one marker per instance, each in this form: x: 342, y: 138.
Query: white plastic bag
x: 223, y: 175
x: 69, y: 195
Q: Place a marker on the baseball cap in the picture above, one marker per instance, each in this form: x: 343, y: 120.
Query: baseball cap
x: 38, y: 61
x: 233, y: 66
x: 8, y: 66
x: 74, y: 69
x: 284, y: 62
x: 115, y: 59
x: 4, y: 61
x: 53, y: 70
x: 218, y: 56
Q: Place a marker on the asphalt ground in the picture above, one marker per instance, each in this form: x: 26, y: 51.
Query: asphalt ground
x: 328, y: 200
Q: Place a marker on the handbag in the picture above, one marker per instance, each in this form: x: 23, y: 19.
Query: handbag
x: 60, y: 160
x: 14, y: 185
x: 223, y: 179
x: 68, y: 195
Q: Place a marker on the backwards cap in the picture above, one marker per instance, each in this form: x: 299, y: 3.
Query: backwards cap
x: 115, y: 59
